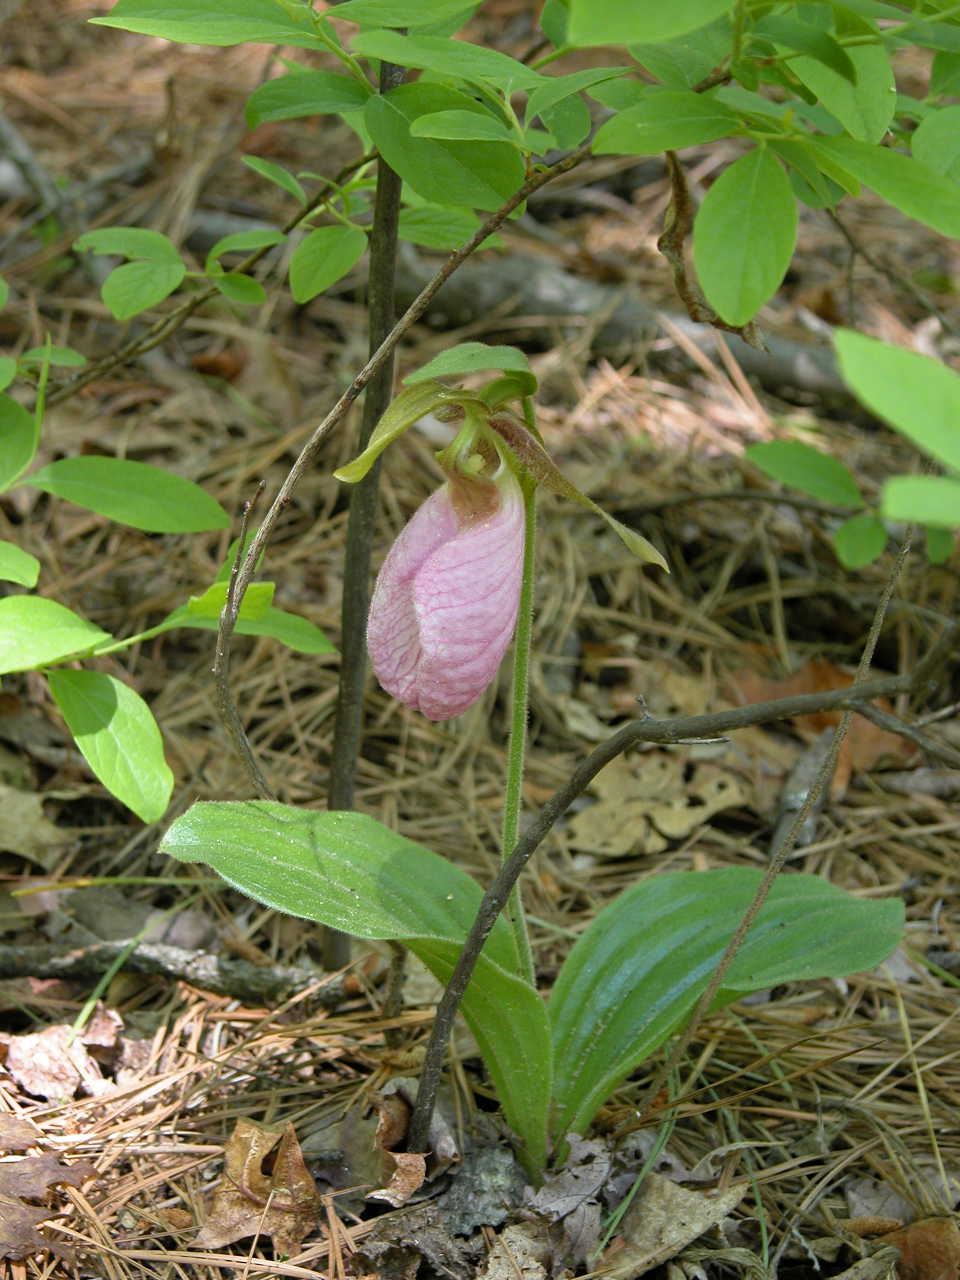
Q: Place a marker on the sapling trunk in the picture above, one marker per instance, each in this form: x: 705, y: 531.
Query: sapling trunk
x: 348, y: 722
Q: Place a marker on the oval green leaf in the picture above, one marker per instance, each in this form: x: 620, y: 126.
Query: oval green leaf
x: 481, y: 176
x: 132, y: 493
x: 917, y: 395
x: 913, y: 188
x: 8, y: 371
x: 137, y: 286
x: 859, y: 541
x: 469, y: 126
x: 928, y: 500
x: 18, y: 440
x: 129, y: 242
x: 243, y: 290
x: 936, y: 143
x: 635, y: 975
x: 215, y: 23
x: 35, y: 631
x: 744, y: 236
x: 613, y: 22
x: 324, y: 257
x: 18, y: 566
x: 276, y: 174
x: 800, y: 466
x: 118, y: 737
x: 864, y: 108
x: 348, y: 871
x: 305, y: 93
x: 666, y: 120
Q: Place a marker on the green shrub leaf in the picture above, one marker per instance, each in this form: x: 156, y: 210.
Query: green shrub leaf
x: 481, y: 176
x: 613, y: 22
x: 348, y: 871
x: 18, y: 566
x: 276, y: 174
x: 666, y: 120
x: 859, y: 541
x: 744, y: 236
x: 914, y: 188
x: 18, y: 440
x: 438, y: 227
x: 636, y: 973
x: 239, y: 288
x: 864, y: 108
x: 129, y: 242
x: 305, y: 93
x: 324, y: 257
x: 215, y: 23
x: 928, y: 500
x: 936, y: 142
x: 940, y: 545
x: 800, y: 466
x: 132, y: 493
x: 62, y: 357
x: 449, y: 57
x: 471, y: 126
x: 917, y: 395
x: 34, y: 631
x: 118, y: 737
x: 137, y: 286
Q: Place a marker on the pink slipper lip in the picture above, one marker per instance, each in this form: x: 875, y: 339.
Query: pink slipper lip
x: 445, y: 603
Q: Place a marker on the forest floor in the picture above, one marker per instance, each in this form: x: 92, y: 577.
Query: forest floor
x: 831, y: 1105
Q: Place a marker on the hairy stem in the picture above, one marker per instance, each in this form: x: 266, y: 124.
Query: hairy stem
x: 381, y: 311
x: 519, y: 699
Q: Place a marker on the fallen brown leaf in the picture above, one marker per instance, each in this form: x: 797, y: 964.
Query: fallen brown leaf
x: 30, y: 1178
x: 282, y: 1204
x: 864, y: 745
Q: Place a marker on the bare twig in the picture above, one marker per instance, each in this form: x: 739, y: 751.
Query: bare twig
x: 675, y: 730
x: 381, y: 312
x: 894, y: 276
x: 225, y: 975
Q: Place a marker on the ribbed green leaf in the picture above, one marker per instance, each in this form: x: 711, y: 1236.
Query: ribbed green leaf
x: 349, y: 871
x: 19, y: 433
x: 213, y: 22
x: 635, y: 975
x: 931, y: 500
x: 859, y: 541
x: 803, y: 467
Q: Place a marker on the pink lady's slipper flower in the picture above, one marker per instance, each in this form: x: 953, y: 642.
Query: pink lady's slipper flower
x: 445, y: 603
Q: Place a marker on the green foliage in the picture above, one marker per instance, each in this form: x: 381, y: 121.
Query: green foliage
x: 629, y: 983
x: 8, y: 371
x: 348, y: 870
x: 276, y: 174
x: 19, y: 434
x: 305, y: 93
x: 859, y: 541
x: 930, y: 500
x: 18, y: 566
x: 936, y: 142
x: 666, y: 119
x: 35, y: 631
x: 918, y: 396
x: 324, y: 257
x: 443, y: 172
x: 592, y: 23
x: 215, y: 23
x: 744, y: 236
x: 807, y: 469
x: 132, y: 493
x: 635, y: 974
x: 117, y: 736
x: 156, y: 270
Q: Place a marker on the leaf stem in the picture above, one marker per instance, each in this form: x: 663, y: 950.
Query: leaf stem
x: 519, y: 708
